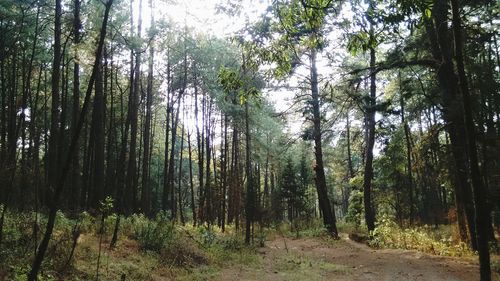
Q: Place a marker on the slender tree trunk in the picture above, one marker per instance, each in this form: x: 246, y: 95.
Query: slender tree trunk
x: 191, y: 185
x: 329, y: 219
x: 53, y: 167
x: 408, y: 151
x: 146, y: 189
x: 479, y: 192
x: 165, y: 204
x: 250, y: 204
x: 370, y: 138
x: 224, y: 178
x: 37, y: 262
x: 453, y: 116
x: 97, y: 192
x: 76, y: 176
x: 171, y: 164
x: 200, y: 150
x: 134, y: 106
x: 266, y: 195
x: 179, y: 186
x: 208, y: 184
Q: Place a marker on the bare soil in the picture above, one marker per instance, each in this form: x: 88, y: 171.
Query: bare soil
x: 319, y: 259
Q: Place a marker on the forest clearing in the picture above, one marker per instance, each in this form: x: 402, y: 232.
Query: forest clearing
x: 249, y: 140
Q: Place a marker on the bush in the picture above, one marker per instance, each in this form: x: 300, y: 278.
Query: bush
x: 181, y: 252
x: 389, y: 234
x: 231, y: 243
x: 152, y: 234
x: 355, y: 209
x: 208, y: 236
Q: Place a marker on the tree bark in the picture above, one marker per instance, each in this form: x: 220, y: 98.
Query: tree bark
x: 329, y: 219
x: 478, y: 190
x: 191, y: 185
x: 453, y: 115
x: 370, y: 135
x: 408, y: 150
x: 146, y: 190
x: 131, y: 184
x: 37, y: 262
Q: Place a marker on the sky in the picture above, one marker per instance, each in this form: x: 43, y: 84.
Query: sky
x: 203, y: 15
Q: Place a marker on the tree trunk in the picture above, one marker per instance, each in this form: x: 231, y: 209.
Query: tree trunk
x: 76, y: 176
x: 370, y: 140
x: 171, y: 164
x: 452, y: 115
x: 165, y: 204
x: 37, y: 262
x: 191, y: 185
x: 53, y: 156
x: 179, y: 186
x: 329, y: 219
x: 97, y: 191
x: 250, y: 204
x: 479, y: 192
x: 146, y: 189
x: 408, y: 150
x: 131, y: 184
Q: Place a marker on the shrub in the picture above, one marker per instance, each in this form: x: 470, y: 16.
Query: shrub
x: 208, y: 236
x: 231, y: 243
x: 355, y: 209
x: 181, y: 252
x: 152, y: 234
x: 389, y: 234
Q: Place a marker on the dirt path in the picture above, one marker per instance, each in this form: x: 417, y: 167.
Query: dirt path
x: 315, y: 259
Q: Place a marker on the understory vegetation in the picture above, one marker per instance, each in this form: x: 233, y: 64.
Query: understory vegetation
x: 146, y: 248
x: 158, y: 249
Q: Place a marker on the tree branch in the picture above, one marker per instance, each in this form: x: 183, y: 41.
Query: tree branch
x: 396, y: 65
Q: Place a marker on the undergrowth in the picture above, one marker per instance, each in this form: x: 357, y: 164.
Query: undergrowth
x: 425, y: 238
x: 147, y: 248
x: 157, y: 249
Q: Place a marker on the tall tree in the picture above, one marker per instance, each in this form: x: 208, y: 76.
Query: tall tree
x: 42, y: 248
x: 146, y: 189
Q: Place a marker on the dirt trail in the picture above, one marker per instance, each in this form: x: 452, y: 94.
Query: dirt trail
x: 315, y: 259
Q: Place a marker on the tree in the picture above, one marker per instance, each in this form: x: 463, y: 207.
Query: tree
x: 37, y: 262
x: 299, y: 28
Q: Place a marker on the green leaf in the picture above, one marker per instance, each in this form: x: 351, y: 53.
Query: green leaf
x: 428, y: 13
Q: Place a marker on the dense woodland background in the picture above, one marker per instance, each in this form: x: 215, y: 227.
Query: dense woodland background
x: 395, y: 116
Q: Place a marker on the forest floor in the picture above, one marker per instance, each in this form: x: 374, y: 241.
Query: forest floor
x: 192, y: 254
x: 320, y: 259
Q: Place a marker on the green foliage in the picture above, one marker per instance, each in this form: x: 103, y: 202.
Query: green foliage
x: 152, y: 234
x: 361, y: 42
x: 355, y: 209
x: 239, y: 83
x: 311, y: 228
x: 208, y: 236
x: 106, y: 205
x: 87, y: 222
x: 20, y: 273
x: 301, y: 227
x: 388, y: 234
